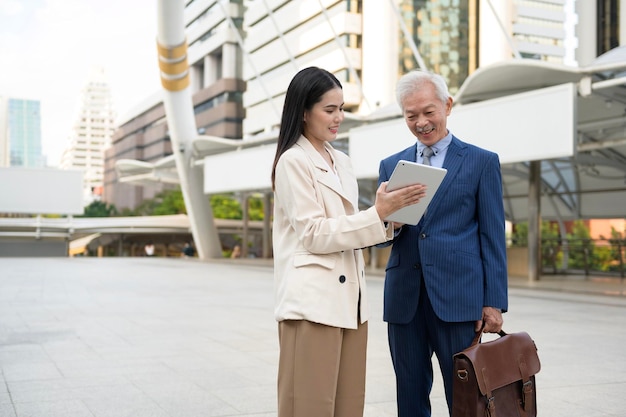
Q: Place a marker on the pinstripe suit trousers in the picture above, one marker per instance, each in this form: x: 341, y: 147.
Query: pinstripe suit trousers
x: 412, y: 346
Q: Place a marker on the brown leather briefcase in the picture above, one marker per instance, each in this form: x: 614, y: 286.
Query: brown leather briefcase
x: 496, y: 378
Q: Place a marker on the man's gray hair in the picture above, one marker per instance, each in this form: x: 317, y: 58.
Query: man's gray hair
x: 414, y: 80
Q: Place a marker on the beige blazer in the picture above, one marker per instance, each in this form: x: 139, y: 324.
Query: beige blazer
x: 317, y: 235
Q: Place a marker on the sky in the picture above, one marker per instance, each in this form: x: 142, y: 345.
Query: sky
x: 49, y: 47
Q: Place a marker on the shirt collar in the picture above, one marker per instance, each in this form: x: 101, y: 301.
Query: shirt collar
x: 437, y: 147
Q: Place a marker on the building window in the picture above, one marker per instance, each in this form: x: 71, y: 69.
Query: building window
x: 608, y: 25
x: 440, y: 30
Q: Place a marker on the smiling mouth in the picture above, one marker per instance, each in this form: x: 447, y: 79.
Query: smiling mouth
x: 426, y: 130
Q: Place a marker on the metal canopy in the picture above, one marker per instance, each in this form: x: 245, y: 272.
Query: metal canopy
x: 592, y: 183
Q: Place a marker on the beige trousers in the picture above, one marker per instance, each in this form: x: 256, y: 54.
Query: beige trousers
x: 321, y: 370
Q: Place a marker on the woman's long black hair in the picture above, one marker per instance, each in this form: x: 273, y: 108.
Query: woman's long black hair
x: 305, y: 89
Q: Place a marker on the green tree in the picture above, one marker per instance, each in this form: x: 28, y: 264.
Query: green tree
x: 166, y: 202
x: 170, y: 202
x: 225, y: 206
x: 618, y: 246
x: 581, y: 247
x: 519, y: 237
x: 550, y: 244
x: 99, y: 209
x: 551, y: 254
x: 255, y: 208
x: 126, y: 212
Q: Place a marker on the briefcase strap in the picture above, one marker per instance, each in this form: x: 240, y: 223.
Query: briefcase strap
x: 527, y: 386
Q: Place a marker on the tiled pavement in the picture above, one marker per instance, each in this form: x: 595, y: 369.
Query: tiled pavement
x: 139, y: 337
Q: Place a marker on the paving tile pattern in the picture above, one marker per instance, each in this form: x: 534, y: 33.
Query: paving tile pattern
x: 159, y: 337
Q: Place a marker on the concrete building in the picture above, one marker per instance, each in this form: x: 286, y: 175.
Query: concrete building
x: 535, y: 29
x: 368, y: 45
x: 4, y: 134
x: 20, y: 133
x: 570, y: 160
x: 600, y: 28
x: 214, y: 56
x: 91, y: 135
x: 242, y: 55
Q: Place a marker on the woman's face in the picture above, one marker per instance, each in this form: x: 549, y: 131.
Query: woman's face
x: 321, y: 123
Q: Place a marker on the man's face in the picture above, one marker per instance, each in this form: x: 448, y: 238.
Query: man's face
x: 426, y: 115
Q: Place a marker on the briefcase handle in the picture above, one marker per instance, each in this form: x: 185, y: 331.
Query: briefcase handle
x: 480, y: 333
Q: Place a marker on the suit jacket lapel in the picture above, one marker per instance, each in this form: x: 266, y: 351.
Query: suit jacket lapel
x: 454, y: 158
x: 410, y: 154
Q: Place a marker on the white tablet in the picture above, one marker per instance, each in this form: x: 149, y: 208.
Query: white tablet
x: 409, y: 173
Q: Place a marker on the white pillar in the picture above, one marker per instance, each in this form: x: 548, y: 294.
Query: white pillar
x: 211, y: 70
x: 379, y: 81
x: 229, y: 61
x: 197, y: 78
x: 586, y: 32
x: 495, y: 29
x: 182, y: 125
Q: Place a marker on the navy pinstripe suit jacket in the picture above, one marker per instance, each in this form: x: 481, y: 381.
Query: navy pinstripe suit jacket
x: 459, y: 244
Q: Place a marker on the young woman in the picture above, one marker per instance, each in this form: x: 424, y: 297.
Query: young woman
x: 320, y: 295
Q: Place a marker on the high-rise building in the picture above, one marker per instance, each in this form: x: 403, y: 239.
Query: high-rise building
x: 243, y: 53
x: 368, y: 44
x: 215, y: 63
x: 4, y: 134
x: 534, y: 29
x: 600, y: 28
x: 20, y: 133
x: 91, y: 134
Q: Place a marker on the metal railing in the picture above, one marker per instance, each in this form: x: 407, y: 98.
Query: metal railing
x: 584, y: 256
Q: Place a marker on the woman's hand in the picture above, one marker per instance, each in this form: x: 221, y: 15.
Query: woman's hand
x: 388, y: 202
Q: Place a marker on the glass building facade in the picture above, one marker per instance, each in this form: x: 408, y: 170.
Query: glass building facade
x: 608, y: 25
x: 24, y: 131
x: 444, y: 34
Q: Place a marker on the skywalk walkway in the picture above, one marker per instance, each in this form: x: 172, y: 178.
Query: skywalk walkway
x: 165, y: 337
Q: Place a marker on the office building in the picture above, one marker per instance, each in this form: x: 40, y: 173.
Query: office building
x: 534, y: 29
x: 4, y: 133
x: 599, y: 29
x: 242, y: 55
x: 91, y: 135
x: 20, y: 133
x: 368, y: 44
x: 215, y: 58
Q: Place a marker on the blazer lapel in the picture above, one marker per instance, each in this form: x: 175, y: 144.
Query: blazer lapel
x: 410, y: 154
x: 454, y: 159
x: 326, y: 177
x: 349, y: 186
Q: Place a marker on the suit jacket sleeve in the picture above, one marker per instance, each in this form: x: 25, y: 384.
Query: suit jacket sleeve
x: 492, y: 238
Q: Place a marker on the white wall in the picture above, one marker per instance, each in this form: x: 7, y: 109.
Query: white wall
x: 247, y: 169
x: 41, y: 191
x: 530, y: 126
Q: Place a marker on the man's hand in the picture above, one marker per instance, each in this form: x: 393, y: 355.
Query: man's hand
x: 492, y: 319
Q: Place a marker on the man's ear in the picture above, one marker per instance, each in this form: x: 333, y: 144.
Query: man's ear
x: 449, y: 104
